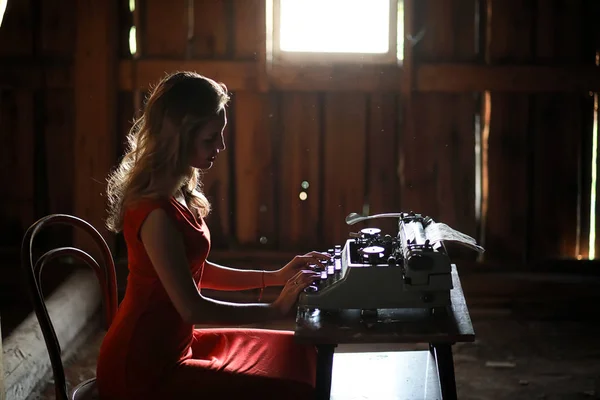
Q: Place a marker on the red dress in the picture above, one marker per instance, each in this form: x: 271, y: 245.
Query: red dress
x: 149, y: 352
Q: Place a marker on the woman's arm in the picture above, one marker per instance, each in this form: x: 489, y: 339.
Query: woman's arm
x: 166, y: 251
x: 219, y: 277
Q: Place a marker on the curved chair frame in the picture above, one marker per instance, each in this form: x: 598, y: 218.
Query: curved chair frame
x: 32, y: 269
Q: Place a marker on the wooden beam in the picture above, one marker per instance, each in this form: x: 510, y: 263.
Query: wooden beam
x: 408, y: 63
x: 237, y: 75
x: 429, y: 77
x: 509, y: 78
x: 336, y: 78
x: 244, y: 76
x: 95, y: 94
x: 73, y: 306
x: 250, y: 36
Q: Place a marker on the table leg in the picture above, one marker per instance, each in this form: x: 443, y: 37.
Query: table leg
x: 324, y: 370
x: 445, y: 366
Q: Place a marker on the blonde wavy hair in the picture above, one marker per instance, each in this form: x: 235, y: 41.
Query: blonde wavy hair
x: 157, y: 160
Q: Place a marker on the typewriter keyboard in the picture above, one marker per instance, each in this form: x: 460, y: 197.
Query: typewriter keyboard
x: 331, y: 271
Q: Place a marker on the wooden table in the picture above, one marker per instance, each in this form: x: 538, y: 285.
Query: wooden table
x: 327, y: 329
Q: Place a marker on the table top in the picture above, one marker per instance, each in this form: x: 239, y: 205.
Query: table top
x: 391, y: 325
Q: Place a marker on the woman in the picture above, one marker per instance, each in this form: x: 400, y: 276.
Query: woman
x: 152, y: 350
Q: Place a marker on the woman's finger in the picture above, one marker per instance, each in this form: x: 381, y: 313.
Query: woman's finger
x: 303, y: 279
x: 318, y: 255
x: 310, y: 277
x: 304, y: 283
x: 308, y: 259
x: 296, y: 276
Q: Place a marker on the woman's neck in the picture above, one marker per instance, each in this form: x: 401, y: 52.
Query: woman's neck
x: 180, y: 197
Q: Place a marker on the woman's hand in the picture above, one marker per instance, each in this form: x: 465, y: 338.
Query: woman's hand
x: 298, y: 263
x: 289, y: 295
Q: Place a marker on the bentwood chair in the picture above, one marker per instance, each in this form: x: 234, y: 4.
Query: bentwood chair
x: 32, y: 268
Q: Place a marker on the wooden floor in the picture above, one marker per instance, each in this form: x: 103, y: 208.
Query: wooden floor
x: 514, y: 357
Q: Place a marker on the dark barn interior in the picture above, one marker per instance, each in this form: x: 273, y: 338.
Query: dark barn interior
x: 486, y: 119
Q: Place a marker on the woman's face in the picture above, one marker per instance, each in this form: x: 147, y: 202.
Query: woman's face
x: 209, y: 142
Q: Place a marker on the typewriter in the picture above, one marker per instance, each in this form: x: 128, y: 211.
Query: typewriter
x: 375, y: 271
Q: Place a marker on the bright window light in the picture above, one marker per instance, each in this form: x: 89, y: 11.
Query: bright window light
x: 3, y: 4
x: 132, y: 41
x: 334, y: 26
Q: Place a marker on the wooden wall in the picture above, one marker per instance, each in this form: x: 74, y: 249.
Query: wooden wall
x: 513, y: 79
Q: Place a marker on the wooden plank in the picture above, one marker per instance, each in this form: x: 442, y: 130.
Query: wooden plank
x: 436, y: 19
x: 450, y: 30
x: 164, y: 29
x: 58, y: 27
x: 338, y: 78
x: 511, y: 38
x: 250, y: 36
x: 217, y: 184
x: 559, y: 32
x: 210, y: 35
x: 591, y: 30
x: 456, y: 192
x: 438, y: 145
x: 238, y: 76
x: 438, y: 160
x: 344, y: 166
x: 72, y: 307
x: 429, y: 77
x: 408, y: 60
x: 557, y: 116
x: 58, y: 138
x: 508, y: 197
x: 508, y: 229
x: 33, y: 75
x: 383, y: 183
x: 255, y: 170
x: 17, y: 29
x: 557, y: 144
x: 16, y: 164
x: 434, y: 77
x: 418, y: 169
x: 95, y: 108
x: 300, y: 146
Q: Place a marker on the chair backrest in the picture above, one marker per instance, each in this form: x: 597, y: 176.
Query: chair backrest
x: 32, y: 269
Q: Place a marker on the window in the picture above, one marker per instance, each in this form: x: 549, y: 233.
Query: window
x: 348, y: 31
